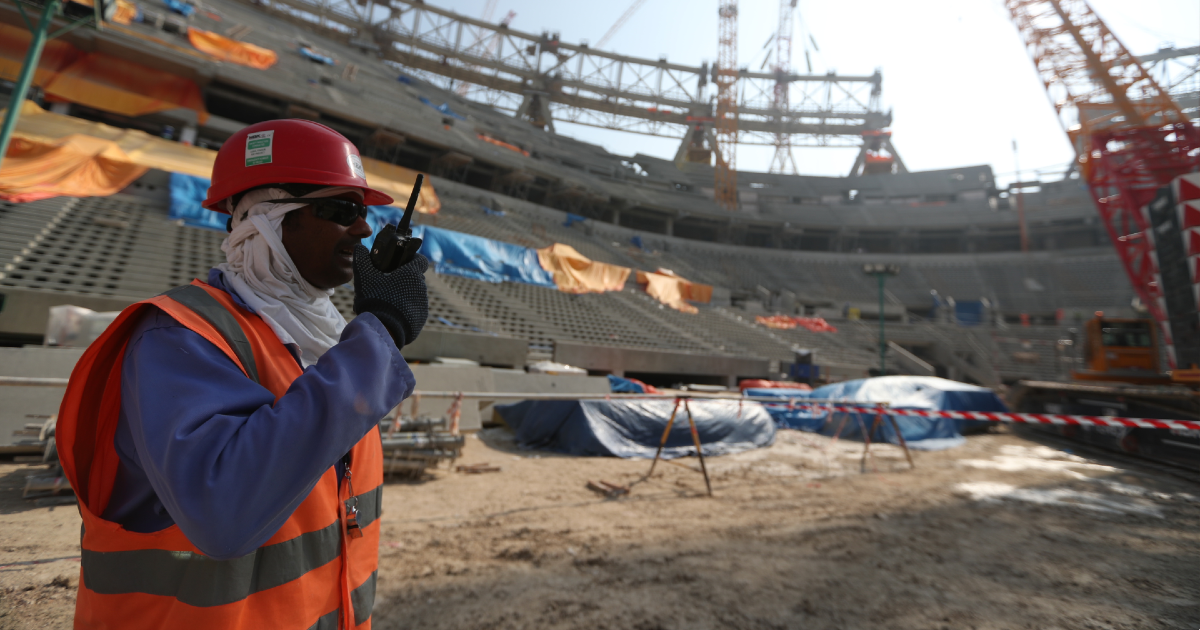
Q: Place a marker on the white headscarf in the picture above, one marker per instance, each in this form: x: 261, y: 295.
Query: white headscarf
x: 261, y: 272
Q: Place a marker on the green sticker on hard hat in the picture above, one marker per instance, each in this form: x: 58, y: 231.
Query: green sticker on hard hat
x: 258, y: 148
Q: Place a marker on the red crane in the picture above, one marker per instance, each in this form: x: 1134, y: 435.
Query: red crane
x: 1130, y: 137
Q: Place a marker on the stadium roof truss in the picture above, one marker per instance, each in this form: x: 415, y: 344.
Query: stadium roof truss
x: 541, y: 79
x: 1177, y: 70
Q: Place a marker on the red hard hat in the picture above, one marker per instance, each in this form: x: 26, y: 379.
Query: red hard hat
x: 287, y: 152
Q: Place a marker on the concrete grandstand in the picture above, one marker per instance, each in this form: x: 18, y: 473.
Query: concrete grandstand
x: 797, y: 247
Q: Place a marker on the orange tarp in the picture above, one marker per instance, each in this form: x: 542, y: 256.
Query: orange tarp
x: 125, y: 13
x: 398, y: 182
x: 76, y: 166
x: 231, y: 50
x: 124, y: 87
x: 787, y: 322
x: 500, y: 143
x: 99, y: 80
x: 575, y: 273
x: 141, y: 148
x: 145, y: 150
x: 691, y: 291
x: 670, y: 289
x: 14, y: 43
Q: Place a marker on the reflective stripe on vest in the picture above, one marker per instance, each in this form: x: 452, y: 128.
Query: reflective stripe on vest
x: 308, y: 576
x: 363, y: 598
x: 215, y: 313
x: 198, y: 580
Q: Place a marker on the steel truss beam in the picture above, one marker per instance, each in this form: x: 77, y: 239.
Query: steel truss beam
x: 583, y: 85
x: 1130, y: 136
x: 1177, y: 70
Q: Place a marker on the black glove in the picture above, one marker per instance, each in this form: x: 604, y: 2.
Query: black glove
x: 399, y: 299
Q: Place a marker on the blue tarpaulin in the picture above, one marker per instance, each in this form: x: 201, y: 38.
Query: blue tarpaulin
x: 314, y: 56
x: 969, y: 313
x: 620, y: 385
x: 449, y: 252
x: 182, y: 8
x: 633, y: 428
x: 444, y: 108
x: 901, y: 392
x: 187, y: 193
x: 481, y: 258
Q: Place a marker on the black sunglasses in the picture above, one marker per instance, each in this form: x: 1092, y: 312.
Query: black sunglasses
x: 340, y: 211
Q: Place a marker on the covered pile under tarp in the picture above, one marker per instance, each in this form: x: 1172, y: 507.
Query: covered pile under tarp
x: 622, y: 385
x: 633, y: 428
x: 901, y: 392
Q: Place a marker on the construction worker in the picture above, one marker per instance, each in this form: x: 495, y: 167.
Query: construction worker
x: 222, y: 437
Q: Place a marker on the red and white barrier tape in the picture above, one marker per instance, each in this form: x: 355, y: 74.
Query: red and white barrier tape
x: 997, y: 416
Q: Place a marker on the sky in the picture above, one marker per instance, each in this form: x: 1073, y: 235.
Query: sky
x: 956, y: 76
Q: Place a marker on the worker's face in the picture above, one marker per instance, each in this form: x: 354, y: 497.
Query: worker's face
x: 322, y: 250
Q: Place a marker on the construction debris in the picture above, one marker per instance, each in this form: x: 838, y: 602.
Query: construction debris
x: 48, y: 486
x: 413, y: 444
x: 475, y: 469
x: 610, y: 490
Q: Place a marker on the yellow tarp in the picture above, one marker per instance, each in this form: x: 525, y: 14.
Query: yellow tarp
x: 670, y: 289
x: 75, y: 166
x: 142, y: 149
x: 231, y: 50
x: 98, y: 80
x: 575, y: 273
x: 398, y: 182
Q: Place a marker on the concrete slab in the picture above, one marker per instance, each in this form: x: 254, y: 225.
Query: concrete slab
x: 31, y: 405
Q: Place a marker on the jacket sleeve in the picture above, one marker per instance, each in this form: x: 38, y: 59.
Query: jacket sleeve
x: 228, y: 462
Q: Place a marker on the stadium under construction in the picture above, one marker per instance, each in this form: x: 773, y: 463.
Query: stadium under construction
x: 880, y: 393
x: 968, y: 303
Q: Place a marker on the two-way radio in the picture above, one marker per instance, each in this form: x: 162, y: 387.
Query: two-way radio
x: 395, y: 245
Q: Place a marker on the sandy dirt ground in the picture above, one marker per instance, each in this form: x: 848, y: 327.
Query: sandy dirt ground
x: 1009, y: 531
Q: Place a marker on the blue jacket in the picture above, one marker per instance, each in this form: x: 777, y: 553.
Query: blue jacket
x: 204, y: 447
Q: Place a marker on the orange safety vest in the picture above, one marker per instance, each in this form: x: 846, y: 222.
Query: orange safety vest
x: 317, y: 572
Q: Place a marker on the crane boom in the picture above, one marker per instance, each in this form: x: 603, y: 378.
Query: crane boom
x: 637, y: 4
x: 783, y: 161
x: 1093, y: 81
x: 1130, y: 137
x: 726, y: 124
